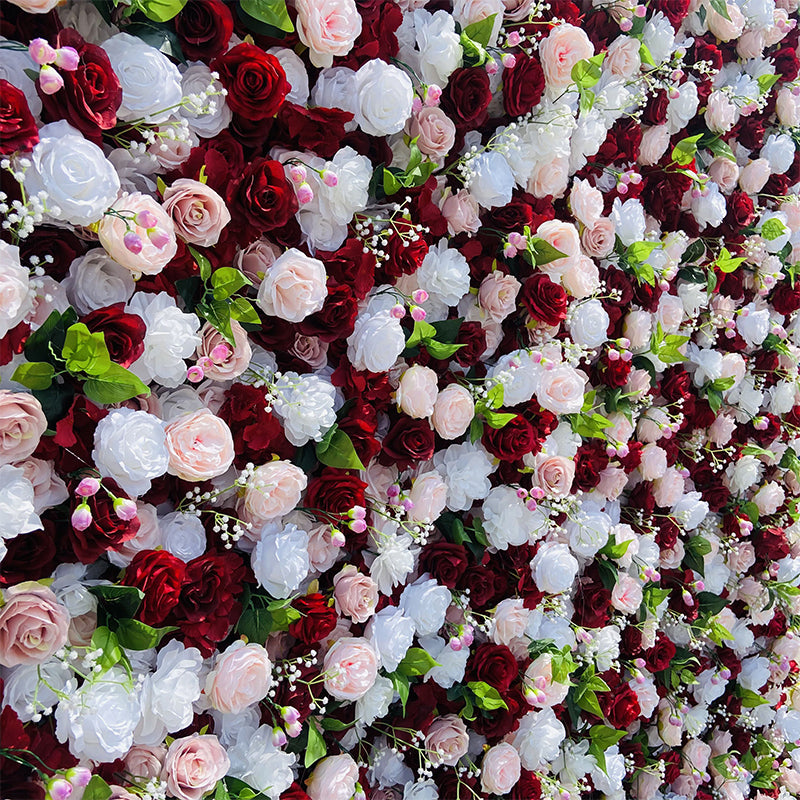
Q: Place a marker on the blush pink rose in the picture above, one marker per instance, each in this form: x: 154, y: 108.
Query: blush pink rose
x: 585, y: 201
x: 626, y: 596
x: 582, y: 279
x: 563, y: 48
x: 447, y: 740
x: 334, y: 778
x: 241, y: 677
x: 224, y: 362
x: 293, y: 287
x: 725, y: 173
x: 310, y: 349
x: 33, y: 625
x: 510, y: 619
x: 549, y: 178
x: 197, y: 211
x: 453, y: 411
x: 256, y: 259
x: 612, y: 481
x: 145, y: 760
x: 322, y: 552
x: 541, y: 690
x: 751, y: 44
x: 193, y: 765
x: 564, y: 237
x: 417, y: 391
x: 350, y: 668
x: 598, y: 241
x: 429, y: 496
x: 328, y: 28
x: 200, y: 446
x: 498, y: 294
x: 355, y: 594
x: 461, y: 212
x: 436, y: 132
x: 622, y: 59
x: 554, y: 474
x: 561, y: 390
x: 668, y: 488
x: 22, y: 423
x: 726, y: 29
x: 273, y: 490
x: 655, y: 141
x: 753, y: 176
x: 787, y: 107
x: 501, y: 769
x: 720, y: 113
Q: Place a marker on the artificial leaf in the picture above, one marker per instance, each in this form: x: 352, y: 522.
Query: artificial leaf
x: 316, y: 748
x: 37, y: 375
x: 416, y: 662
x: 135, y: 635
x: 114, y: 386
x: 338, y: 451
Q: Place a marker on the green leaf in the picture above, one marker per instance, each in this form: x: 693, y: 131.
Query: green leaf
x: 641, y: 251
x: 227, y: 280
x: 416, y: 662
x: 222, y: 792
x: 473, y: 54
x: 683, y: 153
x: 772, y: 229
x: 654, y: 596
x: 480, y: 31
x: 789, y: 460
x: 721, y: 7
x: 605, y: 737
x: 447, y: 330
x: 496, y: 419
x: 85, y: 351
x: 710, y: 603
x: 336, y: 450
x: 590, y: 426
x: 646, y: 56
x: 440, y: 350
x: 271, y: 12
x: 766, y: 82
x: 391, y: 185
x: 726, y: 262
x: 119, y: 602
x: 255, y: 624
x: 218, y: 313
x: 422, y: 330
x: 331, y: 724
x: 475, y: 429
x: 586, y: 73
x: 615, y: 550
x: 105, y: 640
x: 749, y: 698
x: 720, y: 148
x: 243, y: 311
x: 161, y: 10
x: 202, y: 262
x: 401, y: 685
x: 97, y: 789
x: 486, y: 697
x: 542, y: 252
x: 114, y: 386
x: 315, y: 749
x: 36, y: 375
x: 695, y: 549
x: 135, y: 635
x: 49, y: 336
x: 587, y: 700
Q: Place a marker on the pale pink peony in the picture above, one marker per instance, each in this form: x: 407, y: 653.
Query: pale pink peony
x: 328, y: 28
x: 200, y: 446
x: 563, y: 48
x: 417, y: 391
x: 273, y: 490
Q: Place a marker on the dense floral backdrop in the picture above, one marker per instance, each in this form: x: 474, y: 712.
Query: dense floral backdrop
x: 400, y: 399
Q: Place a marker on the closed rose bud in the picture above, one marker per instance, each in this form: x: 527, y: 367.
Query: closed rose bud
x: 124, y: 508
x: 88, y: 487
x: 81, y: 517
x: 49, y: 80
x: 58, y: 789
x: 133, y: 242
x: 305, y: 194
x: 41, y: 52
x: 67, y: 58
x: 158, y: 237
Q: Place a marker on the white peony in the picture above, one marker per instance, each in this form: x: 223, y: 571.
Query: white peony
x: 183, y: 535
x: 391, y: 633
x: 690, y: 511
x: 538, y: 738
x: 351, y: 193
x: 452, y: 663
x: 426, y: 602
x: 280, y: 560
x: 384, y: 94
x: 628, y: 219
x: 256, y: 761
x: 96, y: 281
x: 439, y: 45
x: 395, y: 560
x: 444, y: 274
x: 17, y: 508
x: 296, y: 74
x: 588, y: 532
x: 375, y: 703
x: 753, y: 324
x: 492, y: 180
x: 466, y: 469
x: 305, y: 405
x: 554, y: 568
x: 376, y: 342
x: 506, y: 519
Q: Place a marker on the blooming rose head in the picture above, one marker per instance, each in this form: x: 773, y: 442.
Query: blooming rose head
x: 200, y: 446
x: 563, y: 48
x: 334, y: 778
x: 355, y: 594
x: 417, y: 391
x: 429, y: 496
x: 497, y: 295
x: 328, y: 28
x: 33, y: 625
x: 197, y: 211
x: 241, y: 677
x: 598, y: 241
x: 193, y: 765
x: 16, y: 296
x: 224, y: 362
x: 145, y: 760
x: 434, y: 130
x: 22, y: 423
x: 453, y: 411
x: 447, y: 740
x: 500, y: 769
x: 461, y: 212
x: 273, y: 490
x: 561, y: 390
x: 293, y: 287
x: 350, y: 668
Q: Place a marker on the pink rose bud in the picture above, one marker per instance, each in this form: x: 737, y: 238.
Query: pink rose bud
x: 491, y: 67
x: 81, y: 517
x: 622, y: 188
x: 289, y: 714
x: 358, y: 512
x: 358, y: 525
x: 699, y: 586
x: 537, y: 493
x: 627, y: 355
x: 158, y: 237
x: 305, y: 194
x: 337, y: 539
x: 359, y: 795
x: 613, y: 355
x: 49, y: 80
x: 58, y: 789
x: 87, y: 487
x: 221, y: 353
x: 195, y: 374
x: 298, y: 174
x: 416, y: 105
x: 419, y: 296
x: 687, y: 598
x: 636, y: 178
x: 278, y: 737
x: 468, y: 637
x: 509, y: 251
x: 725, y: 673
x: 540, y: 682
x: 78, y: 776
x: 531, y: 505
x: 41, y: 52
x: 455, y: 643
x: 132, y: 242
x: 509, y: 60
x: 433, y: 95
x: 125, y: 508
x: 398, y: 311
x: 418, y: 314
x: 518, y: 240
x: 641, y: 11
x: 674, y: 94
x: 329, y: 178
x: 640, y: 663
x: 204, y: 362
x: 408, y: 505
x: 67, y: 58
x: 522, y: 493
x: 294, y: 729
x: 625, y: 25
x: 145, y: 219
x: 513, y: 39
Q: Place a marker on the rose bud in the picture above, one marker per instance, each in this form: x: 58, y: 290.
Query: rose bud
x: 41, y: 52
x: 49, y: 80
x: 124, y: 508
x: 133, y: 242
x: 67, y: 58
x: 88, y: 487
x: 58, y: 789
x: 81, y: 517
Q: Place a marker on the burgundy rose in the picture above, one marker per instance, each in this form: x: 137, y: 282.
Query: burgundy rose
x: 660, y: 655
x: 350, y: 265
x: 335, y: 491
x: 409, y: 441
x: 494, y: 664
x: 512, y: 441
x: 544, y: 300
x: 786, y: 297
x: 337, y: 317
x: 592, y: 605
x: 467, y: 97
x: 741, y: 211
x: 319, y: 130
x: 159, y: 574
x: 221, y: 160
x: 620, y: 707
x: 360, y: 423
x: 204, y: 28
x: 523, y: 85
x: 473, y: 336
x: 123, y: 332
x: 30, y: 557
x: 264, y: 196
x: 317, y: 618
x: 18, y: 129
x: 445, y: 561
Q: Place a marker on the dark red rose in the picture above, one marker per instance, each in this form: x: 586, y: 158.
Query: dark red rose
x: 221, y: 159
x: 512, y: 441
x: 663, y: 192
x: 445, y: 561
x: 204, y: 28
x: 703, y: 50
x: 123, y: 332
x: 61, y: 245
x: 255, y: 81
x: 473, y: 336
x: 335, y: 491
x: 787, y: 65
x: 655, y: 112
x: 106, y: 530
x: 317, y: 619
x: 786, y: 297
x: 660, y: 655
x: 592, y: 605
x: 13, y: 343
x: 590, y: 460
x: 485, y: 585
x: 672, y: 765
x: 613, y: 373
x: 159, y: 574
x: 523, y: 85
x: 741, y: 211
x: 771, y: 544
x: 18, y: 129
x: 351, y: 266
x: 336, y: 319
x: 294, y: 792
x: 373, y: 387
x: 404, y: 260
x: 408, y: 441
x: 674, y: 10
x: 30, y: 557
x: 675, y: 384
x: 467, y: 97
x: 264, y: 196
x: 494, y: 664
x: 92, y: 93
x: 320, y: 130
x: 528, y: 787
x: 620, y: 707
x: 360, y: 423
x: 544, y: 300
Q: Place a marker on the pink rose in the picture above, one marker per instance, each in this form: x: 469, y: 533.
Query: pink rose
x: 787, y: 107
x: 550, y: 177
x: 198, y: 212
x: 22, y: 423
x: 241, y: 677
x: 33, y: 625
x: 540, y: 688
x: 654, y: 462
x: 501, y: 769
x: 637, y: 327
x: 322, y: 552
x: 334, y: 778
x: 293, y: 287
x: 626, y: 596
x: 655, y: 141
x: 200, y: 446
x: 328, y: 28
x: 436, y: 131
x: 720, y: 113
x: 586, y: 201
x: 461, y: 212
x: 741, y: 557
x: 582, y: 279
x: 429, y: 496
x: 622, y: 59
x: 751, y: 44
x: 355, y: 594
x: 726, y: 29
x: 350, y: 668
x: 598, y: 241
x: 561, y: 390
x: 668, y: 488
x: 453, y: 411
x: 193, y: 765
x: 256, y: 259
x: 145, y: 760
x: 498, y: 294
x: 612, y: 481
x: 310, y: 349
x: 769, y: 498
x: 564, y: 237
x: 554, y: 474
x: 563, y: 48
x: 510, y: 619
x: 725, y: 173
x: 224, y: 362
x: 447, y: 740
x: 48, y: 488
x: 112, y: 230
x: 753, y: 176
x: 273, y: 490
x: 417, y: 391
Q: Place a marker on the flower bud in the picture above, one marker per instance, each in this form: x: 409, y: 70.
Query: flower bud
x: 67, y: 58
x: 158, y: 237
x: 289, y: 714
x: 294, y: 730
x: 58, y: 789
x: 419, y: 296
x: 195, y: 374
x: 49, y: 80
x: 455, y: 643
x: 398, y: 311
x: 337, y: 538
x: 418, y: 314
x: 298, y: 174
x: 78, y: 776
x: 81, y: 517
x: 329, y: 178
x: 358, y: 525
x: 278, y: 737
x: 124, y: 508
x: 509, y: 60
x: 87, y: 487
x: 433, y: 95
x: 132, y: 242
x: 305, y: 194
x: 220, y: 353
x: 41, y: 52
x: 146, y: 219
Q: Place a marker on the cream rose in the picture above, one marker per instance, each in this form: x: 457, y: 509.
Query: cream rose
x: 200, y: 446
x: 241, y: 677
x: 434, y: 130
x: 554, y: 474
x: 193, y: 765
x: 355, y: 594
x: 22, y: 423
x: 273, y: 490
x: 233, y: 362
x: 453, y: 411
x: 501, y: 769
x: 561, y: 390
x: 417, y: 391
x: 197, y: 211
x: 334, y: 778
x: 293, y: 287
x: 33, y: 625
x: 350, y: 668
x: 563, y: 48
x: 328, y: 28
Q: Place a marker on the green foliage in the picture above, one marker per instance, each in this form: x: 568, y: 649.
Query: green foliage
x: 415, y: 174
x: 161, y: 10
x: 106, y: 640
x: 315, y: 748
x: 683, y: 153
x: 118, y: 601
x: 336, y: 450
x: 726, y: 262
x: 263, y: 615
x: 416, y: 662
x: 773, y: 229
x: 135, y: 635
x: 428, y: 336
x: 97, y: 789
x: 269, y: 12
x: 665, y: 346
x: 695, y: 549
x: 486, y: 697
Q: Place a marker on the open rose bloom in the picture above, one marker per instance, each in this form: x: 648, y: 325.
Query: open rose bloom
x: 400, y: 400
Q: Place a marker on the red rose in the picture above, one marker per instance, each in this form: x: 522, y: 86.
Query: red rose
x: 335, y: 491
x: 31, y: 557
x: 350, y: 265
x: 467, y: 97
x: 592, y: 605
x: 741, y: 211
x: 620, y: 707
x: 473, y: 336
x: 336, y: 319
x: 528, y: 787
x: 512, y: 441
x: 320, y: 130
x: 106, y: 530
x: 409, y: 441
x: 159, y: 575
x: 494, y: 664
x: 92, y: 93
x: 361, y: 423
x: 204, y: 28
x: 404, y: 259
x: 123, y: 332
x: 655, y: 112
x: 294, y: 792
x: 771, y: 544
x: 317, y: 619
x: 544, y: 300
x: 674, y: 11
x: 613, y: 373
x: 445, y: 561
x: 660, y: 655
x: 495, y: 724
x: 590, y: 461
x: 18, y: 129
x: 523, y: 85
x: 373, y: 387
x: 264, y: 196
x: 786, y: 297
x: 255, y: 81
x: 485, y: 586
x: 221, y: 160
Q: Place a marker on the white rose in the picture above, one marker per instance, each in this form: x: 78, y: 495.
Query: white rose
x: 659, y: 36
x: 690, y: 510
x: 280, y: 560
x: 426, y: 602
x: 554, y: 568
x: 171, y: 337
x: 710, y: 207
x: 130, y: 447
x: 98, y: 719
x: 628, y: 219
x: 17, y: 509
x: 16, y: 296
x: 588, y: 324
x: 588, y: 533
x: 80, y: 183
x: 13, y: 64
x: 439, y: 45
x: 30, y: 688
x: 452, y: 663
x: 296, y: 74
x: 492, y: 181
x: 351, y: 193
x: 96, y: 281
x: 779, y: 151
x: 150, y: 82
x: 305, y: 405
x: 466, y: 469
x: 260, y: 764
x: 208, y: 118
x: 383, y: 98
x: 391, y: 633
x: 394, y: 562
x: 506, y: 519
x: 538, y: 738
x: 753, y: 324
x: 444, y: 274
x: 335, y: 88
x: 183, y: 535
x: 376, y: 342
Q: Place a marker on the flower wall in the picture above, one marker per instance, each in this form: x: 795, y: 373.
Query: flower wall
x: 399, y: 400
